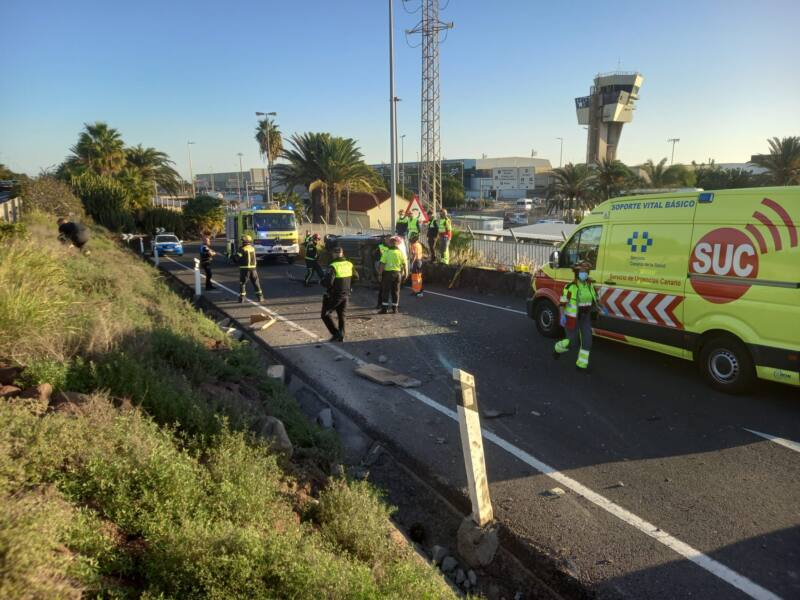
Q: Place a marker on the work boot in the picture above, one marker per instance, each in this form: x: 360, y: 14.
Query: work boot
x: 394, y: 310
x: 383, y: 311
x: 241, y: 299
x: 336, y: 338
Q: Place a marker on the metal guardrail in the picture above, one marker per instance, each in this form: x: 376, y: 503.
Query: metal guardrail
x: 10, y: 209
x: 488, y: 252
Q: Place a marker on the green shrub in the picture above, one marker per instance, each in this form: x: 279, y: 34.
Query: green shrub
x: 50, y: 195
x: 153, y: 218
x: 105, y: 200
x: 205, y: 215
x: 354, y: 517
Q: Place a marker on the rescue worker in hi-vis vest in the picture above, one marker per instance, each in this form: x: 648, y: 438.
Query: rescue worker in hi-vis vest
x: 579, y: 306
x: 312, y: 259
x: 392, y: 270
x: 444, y: 227
x: 337, y: 282
x: 382, y: 247
x: 246, y: 257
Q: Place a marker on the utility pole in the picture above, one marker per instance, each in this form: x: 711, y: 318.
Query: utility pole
x: 240, y: 177
x: 191, y: 175
x: 267, y: 178
x: 430, y: 27
x: 561, y: 151
x: 392, y: 121
x: 211, y: 177
x: 673, y: 141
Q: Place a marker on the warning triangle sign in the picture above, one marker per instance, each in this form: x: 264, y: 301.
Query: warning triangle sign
x: 415, y: 209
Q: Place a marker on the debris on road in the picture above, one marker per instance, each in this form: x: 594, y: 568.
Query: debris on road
x: 338, y: 357
x: 325, y: 418
x: 260, y: 321
x: 555, y: 492
x: 490, y: 413
x: 536, y: 414
x: 277, y: 372
x: 384, y: 376
x: 382, y: 359
x: 373, y: 455
x: 441, y: 440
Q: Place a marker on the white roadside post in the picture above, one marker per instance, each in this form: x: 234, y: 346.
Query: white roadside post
x: 141, y: 245
x: 155, y: 255
x: 198, y: 288
x: 469, y: 422
x: 478, y: 538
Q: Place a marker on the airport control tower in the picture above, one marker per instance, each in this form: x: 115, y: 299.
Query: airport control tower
x: 609, y: 105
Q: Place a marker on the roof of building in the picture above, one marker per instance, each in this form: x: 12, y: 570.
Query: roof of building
x: 363, y: 201
x: 551, y: 232
x: 540, y: 164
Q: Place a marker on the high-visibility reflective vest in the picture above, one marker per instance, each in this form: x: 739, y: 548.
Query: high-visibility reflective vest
x: 342, y: 268
x: 576, y: 295
x: 445, y: 226
x: 393, y: 260
x: 247, y: 257
x: 413, y: 225
x: 382, y: 248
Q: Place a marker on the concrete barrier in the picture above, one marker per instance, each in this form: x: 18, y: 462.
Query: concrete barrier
x: 479, y: 279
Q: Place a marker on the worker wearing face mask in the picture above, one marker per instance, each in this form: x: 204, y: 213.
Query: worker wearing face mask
x: 578, y: 302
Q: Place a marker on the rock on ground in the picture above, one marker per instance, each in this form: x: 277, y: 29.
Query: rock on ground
x: 438, y: 554
x: 274, y: 430
x: 325, y: 418
x: 477, y: 545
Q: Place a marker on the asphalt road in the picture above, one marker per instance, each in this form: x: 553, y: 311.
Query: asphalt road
x: 668, y: 495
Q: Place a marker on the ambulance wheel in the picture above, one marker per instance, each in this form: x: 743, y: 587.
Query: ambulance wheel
x: 545, y: 314
x: 727, y: 364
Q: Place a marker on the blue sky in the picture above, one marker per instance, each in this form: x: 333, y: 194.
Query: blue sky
x: 720, y: 75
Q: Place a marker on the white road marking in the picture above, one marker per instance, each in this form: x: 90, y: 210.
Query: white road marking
x: 704, y: 561
x: 778, y: 440
x: 511, y: 310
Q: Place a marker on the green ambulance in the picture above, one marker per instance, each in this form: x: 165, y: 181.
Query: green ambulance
x: 712, y: 277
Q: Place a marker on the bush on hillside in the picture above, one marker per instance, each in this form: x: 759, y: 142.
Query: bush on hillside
x: 105, y: 200
x: 50, y: 195
x: 153, y: 218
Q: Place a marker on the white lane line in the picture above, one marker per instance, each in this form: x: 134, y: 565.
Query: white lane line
x: 704, y: 561
x: 511, y: 310
x: 778, y: 440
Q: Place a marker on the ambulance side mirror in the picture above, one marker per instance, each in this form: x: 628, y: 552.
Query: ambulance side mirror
x: 554, y: 258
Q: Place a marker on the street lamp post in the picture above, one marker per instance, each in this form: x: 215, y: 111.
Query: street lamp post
x: 561, y: 151
x: 392, y: 119
x: 267, y: 179
x: 673, y: 141
x: 403, y: 165
x: 191, y: 175
x: 239, y: 178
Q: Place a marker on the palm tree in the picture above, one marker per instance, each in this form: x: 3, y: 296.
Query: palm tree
x: 275, y: 139
x: 99, y: 149
x: 154, y: 166
x: 783, y: 161
x: 327, y: 166
x: 610, y: 177
x: 303, y: 168
x: 571, y: 187
x: 658, y: 175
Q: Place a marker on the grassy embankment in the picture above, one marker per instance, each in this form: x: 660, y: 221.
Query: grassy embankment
x: 153, y: 484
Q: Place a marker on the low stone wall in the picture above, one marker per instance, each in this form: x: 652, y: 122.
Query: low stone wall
x: 481, y: 280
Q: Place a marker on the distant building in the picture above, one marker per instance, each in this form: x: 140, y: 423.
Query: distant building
x: 250, y: 180
x: 503, y: 178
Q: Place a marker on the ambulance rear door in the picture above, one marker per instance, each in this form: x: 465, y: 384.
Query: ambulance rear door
x: 644, y: 277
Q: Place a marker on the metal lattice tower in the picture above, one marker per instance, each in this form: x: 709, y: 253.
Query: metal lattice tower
x: 430, y: 155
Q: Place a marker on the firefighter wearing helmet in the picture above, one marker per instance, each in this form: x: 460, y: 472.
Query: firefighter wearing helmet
x: 248, y: 263
x: 312, y: 259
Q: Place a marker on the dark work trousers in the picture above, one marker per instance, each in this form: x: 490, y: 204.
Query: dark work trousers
x: 252, y: 275
x: 312, y: 266
x: 432, y: 247
x: 380, y: 285
x: 207, y: 268
x: 390, y: 289
x: 338, y: 304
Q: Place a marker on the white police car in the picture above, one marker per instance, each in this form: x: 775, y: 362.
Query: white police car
x: 166, y: 243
